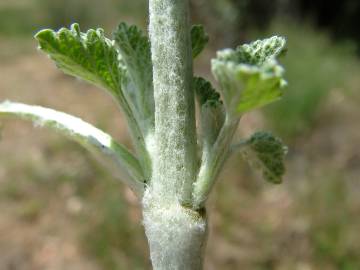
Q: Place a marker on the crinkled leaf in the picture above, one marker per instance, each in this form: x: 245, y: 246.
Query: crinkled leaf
x: 212, y: 114
x: 250, y: 77
x: 266, y: 152
x: 134, y: 47
x: 112, y: 153
x: 89, y: 56
x: 199, y: 39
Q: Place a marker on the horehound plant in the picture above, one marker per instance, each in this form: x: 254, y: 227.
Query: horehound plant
x: 173, y: 167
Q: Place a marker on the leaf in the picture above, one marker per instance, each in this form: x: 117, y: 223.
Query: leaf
x: 250, y: 77
x: 134, y: 48
x: 199, y: 39
x: 212, y: 114
x: 95, y: 140
x: 266, y: 152
x: 89, y: 56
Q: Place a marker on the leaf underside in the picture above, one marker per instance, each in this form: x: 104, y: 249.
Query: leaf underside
x: 115, y: 155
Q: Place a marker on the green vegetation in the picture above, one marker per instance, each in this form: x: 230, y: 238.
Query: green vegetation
x: 309, y: 222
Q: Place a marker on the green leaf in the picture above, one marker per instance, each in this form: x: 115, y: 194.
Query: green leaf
x: 134, y: 48
x: 98, y: 142
x: 89, y: 56
x: 199, y: 39
x: 250, y: 77
x: 212, y: 115
x: 266, y: 152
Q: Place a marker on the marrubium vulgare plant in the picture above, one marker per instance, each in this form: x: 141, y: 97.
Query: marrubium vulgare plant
x: 174, y: 164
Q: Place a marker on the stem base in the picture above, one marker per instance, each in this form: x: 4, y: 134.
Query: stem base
x: 176, y: 235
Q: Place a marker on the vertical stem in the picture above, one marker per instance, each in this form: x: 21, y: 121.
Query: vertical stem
x: 175, y: 136
x: 176, y: 234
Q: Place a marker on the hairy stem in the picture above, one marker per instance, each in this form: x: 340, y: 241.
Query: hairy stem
x: 175, y: 154
x: 176, y: 234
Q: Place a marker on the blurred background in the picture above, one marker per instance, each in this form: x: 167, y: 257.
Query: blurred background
x: 59, y: 209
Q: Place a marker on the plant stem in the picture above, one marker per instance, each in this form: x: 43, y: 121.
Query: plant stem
x: 176, y: 234
x: 174, y: 166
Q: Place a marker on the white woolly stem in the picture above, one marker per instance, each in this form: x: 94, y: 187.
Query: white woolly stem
x: 176, y: 233
x: 174, y: 162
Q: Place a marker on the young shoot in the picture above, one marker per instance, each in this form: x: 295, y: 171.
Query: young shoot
x: 151, y: 78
